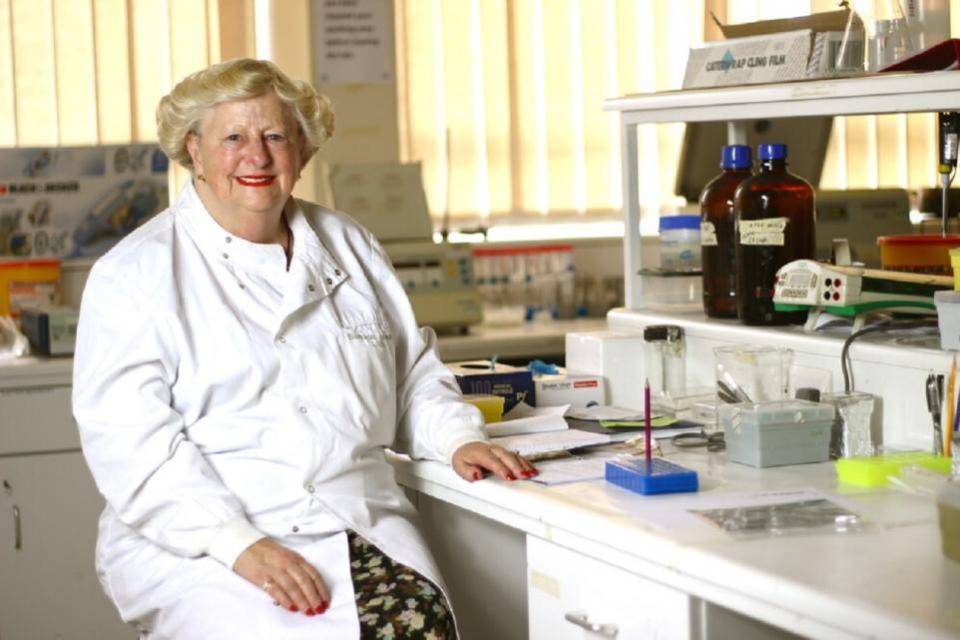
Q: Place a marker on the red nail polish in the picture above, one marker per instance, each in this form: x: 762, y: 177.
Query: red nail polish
x: 477, y: 475
x: 294, y: 608
x: 310, y: 612
x: 323, y: 607
x: 510, y: 476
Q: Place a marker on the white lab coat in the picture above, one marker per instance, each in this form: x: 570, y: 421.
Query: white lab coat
x: 222, y: 398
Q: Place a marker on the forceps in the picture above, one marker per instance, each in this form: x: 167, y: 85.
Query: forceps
x: 712, y: 441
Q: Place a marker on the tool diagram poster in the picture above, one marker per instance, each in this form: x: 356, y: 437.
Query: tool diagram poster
x: 77, y: 202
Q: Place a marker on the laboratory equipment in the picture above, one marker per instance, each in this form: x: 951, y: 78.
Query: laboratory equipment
x: 717, y: 232
x: 853, y: 291
x: 876, y: 471
x: 948, y: 507
x: 751, y: 373
x: 664, y: 358
x: 680, y: 243
x: 850, y: 435
x: 767, y: 434
x: 775, y: 224
x: 917, y: 253
x: 388, y: 199
x: 650, y: 478
x: 52, y: 331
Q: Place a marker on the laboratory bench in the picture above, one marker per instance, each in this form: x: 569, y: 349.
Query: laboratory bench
x: 526, y: 560
x: 525, y: 341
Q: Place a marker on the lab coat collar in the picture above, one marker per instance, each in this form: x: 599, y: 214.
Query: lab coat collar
x: 311, y: 261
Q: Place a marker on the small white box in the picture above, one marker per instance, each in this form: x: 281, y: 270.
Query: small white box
x: 615, y: 355
x: 576, y: 389
x: 948, y: 317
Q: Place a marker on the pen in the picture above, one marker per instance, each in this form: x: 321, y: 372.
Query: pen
x: 646, y: 422
x: 951, y: 386
x: 932, y: 390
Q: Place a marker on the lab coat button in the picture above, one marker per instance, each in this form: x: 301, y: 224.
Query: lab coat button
x: 336, y: 272
x: 329, y: 280
x: 310, y: 287
x: 311, y: 488
x: 228, y: 239
x: 295, y: 528
x: 303, y: 409
x: 282, y: 339
x: 242, y: 286
x: 226, y: 257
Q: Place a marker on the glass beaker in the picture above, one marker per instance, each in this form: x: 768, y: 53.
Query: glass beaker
x: 851, y: 435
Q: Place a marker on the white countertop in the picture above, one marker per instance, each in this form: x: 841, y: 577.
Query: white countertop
x: 889, y: 581
x: 526, y: 340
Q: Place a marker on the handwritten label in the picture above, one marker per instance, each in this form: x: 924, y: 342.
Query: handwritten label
x: 768, y: 232
x: 708, y: 234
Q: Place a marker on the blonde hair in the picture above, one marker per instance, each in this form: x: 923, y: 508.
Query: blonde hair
x: 181, y: 111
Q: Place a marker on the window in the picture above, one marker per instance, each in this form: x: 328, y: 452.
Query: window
x: 501, y: 101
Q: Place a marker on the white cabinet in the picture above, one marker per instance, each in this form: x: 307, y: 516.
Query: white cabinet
x: 49, y: 507
x: 572, y: 596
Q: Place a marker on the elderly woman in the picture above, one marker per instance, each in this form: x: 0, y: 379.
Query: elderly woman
x: 243, y: 360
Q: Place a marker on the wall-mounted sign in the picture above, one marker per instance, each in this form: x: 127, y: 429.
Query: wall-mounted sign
x: 353, y: 41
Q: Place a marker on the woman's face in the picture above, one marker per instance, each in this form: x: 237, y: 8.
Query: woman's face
x: 248, y: 153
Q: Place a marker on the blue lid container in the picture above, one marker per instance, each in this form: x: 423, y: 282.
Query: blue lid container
x: 668, y: 223
x: 772, y: 151
x: 736, y: 156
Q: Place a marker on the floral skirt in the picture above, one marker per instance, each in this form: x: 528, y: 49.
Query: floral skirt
x: 393, y: 600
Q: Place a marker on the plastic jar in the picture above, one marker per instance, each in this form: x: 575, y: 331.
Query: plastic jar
x: 680, y: 243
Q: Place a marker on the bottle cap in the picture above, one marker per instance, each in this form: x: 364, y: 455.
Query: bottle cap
x: 679, y: 222
x: 772, y: 151
x: 735, y: 156
x: 662, y: 332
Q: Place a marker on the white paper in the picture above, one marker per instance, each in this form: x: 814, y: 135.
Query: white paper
x: 533, y: 424
x: 569, y: 470
x: 545, y: 442
x: 604, y: 412
x: 353, y: 41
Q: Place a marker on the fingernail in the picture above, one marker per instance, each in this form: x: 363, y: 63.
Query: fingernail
x: 477, y: 475
x: 510, y: 476
x: 294, y: 608
x: 526, y: 473
x: 310, y: 612
x: 323, y: 607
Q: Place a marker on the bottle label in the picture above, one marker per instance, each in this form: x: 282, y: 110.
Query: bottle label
x: 708, y: 234
x: 766, y: 232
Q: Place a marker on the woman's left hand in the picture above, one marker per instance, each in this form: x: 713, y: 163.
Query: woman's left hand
x: 473, y: 459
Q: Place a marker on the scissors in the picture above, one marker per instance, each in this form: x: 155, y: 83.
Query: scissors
x: 712, y: 441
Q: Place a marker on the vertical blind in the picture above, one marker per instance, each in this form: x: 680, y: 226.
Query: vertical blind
x: 501, y: 102
x: 81, y: 72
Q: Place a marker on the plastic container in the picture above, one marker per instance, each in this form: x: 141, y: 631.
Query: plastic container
x: 680, y: 243
x: 671, y: 290
x: 948, y: 506
x: 490, y: 406
x: 717, y: 250
x: 775, y: 218
x: 664, y: 356
x: 876, y: 471
x: 28, y: 283
x: 851, y: 435
x: 955, y: 265
x: 768, y: 434
x: 948, y: 318
x: 918, y: 253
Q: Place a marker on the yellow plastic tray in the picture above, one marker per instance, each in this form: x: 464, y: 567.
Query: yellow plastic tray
x: 874, y: 471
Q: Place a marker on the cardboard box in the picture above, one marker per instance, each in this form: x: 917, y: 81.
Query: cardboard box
x: 617, y: 357
x: 576, y: 389
x: 776, y: 51
x: 513, y: 384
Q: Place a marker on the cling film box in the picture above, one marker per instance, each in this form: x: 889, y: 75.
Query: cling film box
x: 513, y: 384
x: 77, y: 202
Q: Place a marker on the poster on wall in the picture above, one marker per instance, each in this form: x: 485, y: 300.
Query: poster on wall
x: 352, y: 41
x: 77, y: 202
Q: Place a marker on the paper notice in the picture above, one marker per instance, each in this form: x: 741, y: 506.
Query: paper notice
x: 708, y: 234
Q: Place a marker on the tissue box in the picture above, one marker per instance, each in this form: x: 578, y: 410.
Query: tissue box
x: 575, y: 389
x: 779, y: 432
x: 615, y: 356
x: 513, y: 384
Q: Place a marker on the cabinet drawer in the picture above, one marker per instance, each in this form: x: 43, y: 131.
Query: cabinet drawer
x: 574, y: 596
x: 36, y: 419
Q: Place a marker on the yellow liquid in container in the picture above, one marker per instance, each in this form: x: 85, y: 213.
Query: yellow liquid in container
x: 28, y: 283
x: 490, y: 406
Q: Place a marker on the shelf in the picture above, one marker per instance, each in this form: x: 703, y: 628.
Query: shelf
x: 893, y: 93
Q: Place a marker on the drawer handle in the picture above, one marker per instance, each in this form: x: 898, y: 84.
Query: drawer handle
x: 583, y: 620
x: 17, y: 542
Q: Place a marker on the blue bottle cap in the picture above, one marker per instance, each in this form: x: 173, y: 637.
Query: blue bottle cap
x: 735, y: 156
x: 772, y: 151
x: 679, y: 222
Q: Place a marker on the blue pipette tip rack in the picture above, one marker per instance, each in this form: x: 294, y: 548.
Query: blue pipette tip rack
x: 657, y: 476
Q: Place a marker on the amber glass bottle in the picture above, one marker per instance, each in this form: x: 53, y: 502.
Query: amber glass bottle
x: 775, y: 220
x: 716, y: 232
